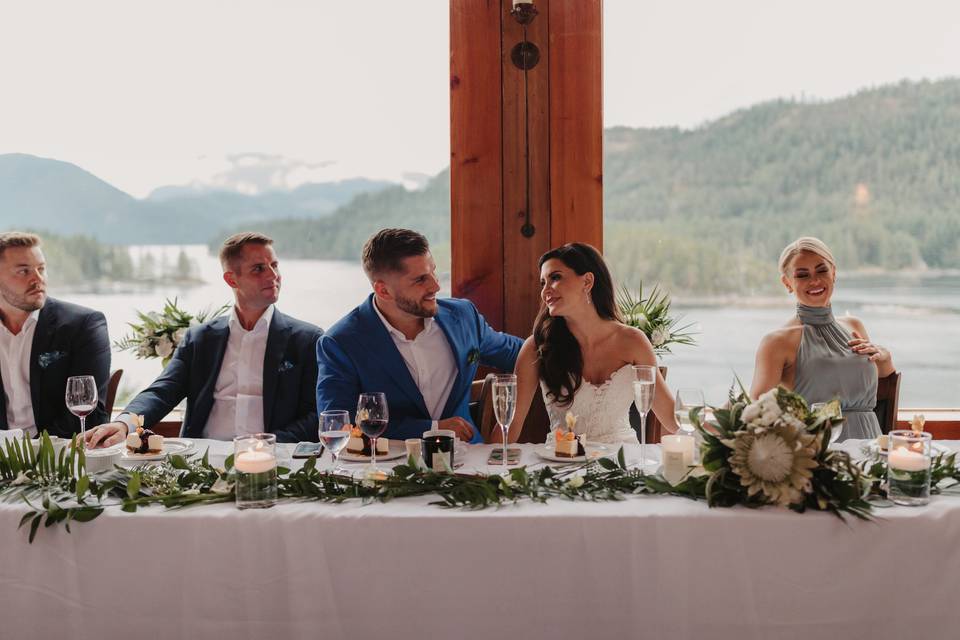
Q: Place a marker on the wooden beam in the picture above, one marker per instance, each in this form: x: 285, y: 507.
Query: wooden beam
x: 475, y: 156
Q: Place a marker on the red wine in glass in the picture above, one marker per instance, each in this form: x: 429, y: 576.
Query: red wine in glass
x: 372, y: 418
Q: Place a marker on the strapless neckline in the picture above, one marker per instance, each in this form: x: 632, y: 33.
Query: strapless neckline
x: 610, y: 379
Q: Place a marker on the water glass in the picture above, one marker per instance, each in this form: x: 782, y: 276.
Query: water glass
x: 255, y: 461
x: 686, y: 401
x: 504, y: 405
x: 908, y: 468
x: 334, y: 433
x: 644, y: 390
x: 81, y: 399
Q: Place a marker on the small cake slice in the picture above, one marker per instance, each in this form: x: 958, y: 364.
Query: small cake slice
x: 144, y: 441
x: 359, y: 444
x: 567, y: 443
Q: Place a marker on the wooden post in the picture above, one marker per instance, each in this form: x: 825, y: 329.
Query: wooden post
x: 516, y: 136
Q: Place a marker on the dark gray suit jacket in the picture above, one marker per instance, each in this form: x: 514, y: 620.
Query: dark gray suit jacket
x: 289, y: 379
x: 69, y: 340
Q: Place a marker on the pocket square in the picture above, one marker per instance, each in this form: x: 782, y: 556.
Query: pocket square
x: 286, y: 365
x: 49, y: 357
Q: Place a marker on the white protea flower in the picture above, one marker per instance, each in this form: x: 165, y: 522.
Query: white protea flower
x: 165, y: 347
x: 659, y: 337
x: 777, y: 463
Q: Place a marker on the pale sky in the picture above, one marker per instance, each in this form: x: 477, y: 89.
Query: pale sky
x: 149, y: 93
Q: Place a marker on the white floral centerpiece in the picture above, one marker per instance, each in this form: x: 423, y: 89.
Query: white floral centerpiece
x: 652, y: 316
x: 158, y: 334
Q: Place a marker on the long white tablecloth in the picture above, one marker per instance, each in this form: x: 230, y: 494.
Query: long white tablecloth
x: 645, y: 567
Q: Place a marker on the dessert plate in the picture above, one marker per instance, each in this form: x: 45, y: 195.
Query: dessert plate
x: 175, y: 446
x: 397, y: 450
x: 548, y: 452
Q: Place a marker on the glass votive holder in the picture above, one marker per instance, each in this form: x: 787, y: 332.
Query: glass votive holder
x: 908, y: 468
x: 438, y: 448
x: 678, y: 455
x: 255, y: 462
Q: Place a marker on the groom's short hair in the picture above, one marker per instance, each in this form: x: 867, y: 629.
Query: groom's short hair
x: 385, y: 251
x: 11, y: 239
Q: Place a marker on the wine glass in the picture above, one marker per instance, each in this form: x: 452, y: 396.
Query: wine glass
x: 504, y: 405
x: 81, y: 399
x: 686, y: 401
x: 334, y: 433
x: 372, y: 418
x: 644, y: 389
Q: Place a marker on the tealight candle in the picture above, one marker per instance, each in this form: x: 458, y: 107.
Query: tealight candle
x: 255, y: 463
x: 908, y: 468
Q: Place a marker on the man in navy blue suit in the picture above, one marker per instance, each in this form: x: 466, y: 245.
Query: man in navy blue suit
x: 422, y: 352
x: 249, y: 371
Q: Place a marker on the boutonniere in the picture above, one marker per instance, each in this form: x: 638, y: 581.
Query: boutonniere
x: 473, y: 356
x: 48, y: 358
x: 286, y: 365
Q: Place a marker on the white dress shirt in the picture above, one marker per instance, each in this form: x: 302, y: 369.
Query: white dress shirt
x: 15, y: 353
x: 238, y: 393
x: 430, y: 361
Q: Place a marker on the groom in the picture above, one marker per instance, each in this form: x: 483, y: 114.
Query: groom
x: 422, y: 352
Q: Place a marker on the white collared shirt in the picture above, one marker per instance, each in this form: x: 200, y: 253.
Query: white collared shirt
x: 15, y: 351
x: 430, y: 361
x: 238, y: 393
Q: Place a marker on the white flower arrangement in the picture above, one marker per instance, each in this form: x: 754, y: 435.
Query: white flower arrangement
x: 158, y: 334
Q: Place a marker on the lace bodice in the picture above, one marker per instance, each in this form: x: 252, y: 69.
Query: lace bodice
x: 603, y: 411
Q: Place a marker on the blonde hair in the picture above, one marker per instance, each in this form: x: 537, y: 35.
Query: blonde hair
x: 809, y: 244
x: 11, y: 239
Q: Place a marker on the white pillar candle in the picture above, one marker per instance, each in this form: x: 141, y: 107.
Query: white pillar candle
x: 254, y: 462
x: 903, y: 459
x: 680, y: 443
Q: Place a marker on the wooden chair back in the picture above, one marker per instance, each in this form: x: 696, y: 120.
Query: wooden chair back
x: 112, y: 385
x: 888, y: 401
x: 481, y: 406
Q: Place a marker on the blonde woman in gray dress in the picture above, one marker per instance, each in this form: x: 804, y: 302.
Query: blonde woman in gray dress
x: 817, y: 355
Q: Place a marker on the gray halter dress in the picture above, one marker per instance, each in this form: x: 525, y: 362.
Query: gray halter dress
x: 826, y: 369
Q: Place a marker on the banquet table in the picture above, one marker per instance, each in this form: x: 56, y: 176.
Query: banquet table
x: 647, y: 566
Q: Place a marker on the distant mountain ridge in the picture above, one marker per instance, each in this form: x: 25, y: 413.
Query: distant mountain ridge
x: 52, y: 195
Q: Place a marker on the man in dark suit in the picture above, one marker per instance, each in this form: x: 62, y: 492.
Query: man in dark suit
x: 43, y: 342
x: 421, y: 351
x: 250, y: 371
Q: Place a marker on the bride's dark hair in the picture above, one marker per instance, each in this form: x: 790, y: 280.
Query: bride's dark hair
x: 560, y: 359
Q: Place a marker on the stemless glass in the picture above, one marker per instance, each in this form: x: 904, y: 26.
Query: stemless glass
x: 644, y: 389
x: 372, y: 418
x: 334, y: 433
x: 81, y: 399
x: 504, y: 405
x: 686, y: 401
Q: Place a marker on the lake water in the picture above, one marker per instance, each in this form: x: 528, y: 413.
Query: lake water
x: 917, y: 318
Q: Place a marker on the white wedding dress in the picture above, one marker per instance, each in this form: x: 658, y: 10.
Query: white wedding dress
x: 603, y: 411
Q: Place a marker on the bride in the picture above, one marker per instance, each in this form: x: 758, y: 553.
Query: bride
x: 581, y: 354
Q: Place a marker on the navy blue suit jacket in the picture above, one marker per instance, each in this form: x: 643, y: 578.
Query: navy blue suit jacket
x: 69, y: 340
x: 358, y: 355
x: 289, y: 376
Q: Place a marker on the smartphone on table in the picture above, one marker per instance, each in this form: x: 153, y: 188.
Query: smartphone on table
x: 308, y: 450
x: 496, y: 456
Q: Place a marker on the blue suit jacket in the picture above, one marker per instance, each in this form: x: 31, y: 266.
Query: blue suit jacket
x: 358, y: 355
x: 289, y: 376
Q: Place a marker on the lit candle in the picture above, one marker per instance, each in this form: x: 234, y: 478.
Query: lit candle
x: 682, y: 444
x: 255, y: 462
x: 903, y: 459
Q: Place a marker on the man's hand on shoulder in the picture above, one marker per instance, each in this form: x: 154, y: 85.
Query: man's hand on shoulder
x: 106, y: 435
x: 458, y: 425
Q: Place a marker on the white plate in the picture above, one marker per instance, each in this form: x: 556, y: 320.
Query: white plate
x: 548, y: 452
x: 171, y: 446
x: 397, y: 450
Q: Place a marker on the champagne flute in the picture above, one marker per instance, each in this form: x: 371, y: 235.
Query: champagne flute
x: 81, y: 399
x: 334, y: 433
x: 686, y: 401
x: 504, y: 405
x: 372, y: 418
x: 644, y: 389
